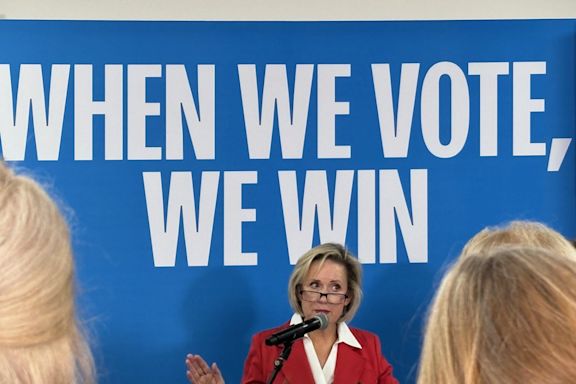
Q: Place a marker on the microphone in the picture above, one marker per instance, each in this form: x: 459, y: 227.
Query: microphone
x: 296, y: 331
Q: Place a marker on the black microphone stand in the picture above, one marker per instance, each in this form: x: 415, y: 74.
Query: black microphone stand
x: 279, y: 362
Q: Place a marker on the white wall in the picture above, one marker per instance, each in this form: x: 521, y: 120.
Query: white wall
x: 286, y: 9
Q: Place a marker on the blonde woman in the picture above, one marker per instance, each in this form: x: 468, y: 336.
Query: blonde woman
x: 325, y: 280
x: 40, y: 340
x: 505, y: 312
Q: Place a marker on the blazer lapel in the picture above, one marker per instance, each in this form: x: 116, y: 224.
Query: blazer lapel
x: 296, y: 369
x: 349, y: 365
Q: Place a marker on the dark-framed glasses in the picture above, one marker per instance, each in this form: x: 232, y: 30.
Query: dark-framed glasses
x: 331, y: 298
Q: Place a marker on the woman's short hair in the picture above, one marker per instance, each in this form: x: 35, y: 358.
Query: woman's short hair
x: 40, y: 339
x: 504, y: 314
x: 528, y: 233
x: 336, y: 253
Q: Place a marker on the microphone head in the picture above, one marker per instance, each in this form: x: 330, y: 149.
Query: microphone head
x: 323, y: 320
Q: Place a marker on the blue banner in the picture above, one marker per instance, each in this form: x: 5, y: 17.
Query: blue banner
x: 199, y: 160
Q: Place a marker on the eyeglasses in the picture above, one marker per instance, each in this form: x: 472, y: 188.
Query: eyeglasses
x: 331, y: 298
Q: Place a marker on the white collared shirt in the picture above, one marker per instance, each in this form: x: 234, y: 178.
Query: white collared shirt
x: 325, y: 375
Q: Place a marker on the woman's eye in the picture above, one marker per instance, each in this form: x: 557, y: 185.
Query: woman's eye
x: 336, y: 287
x: 313, y: 285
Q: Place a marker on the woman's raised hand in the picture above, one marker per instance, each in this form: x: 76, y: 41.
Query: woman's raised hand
x: 198, y: 372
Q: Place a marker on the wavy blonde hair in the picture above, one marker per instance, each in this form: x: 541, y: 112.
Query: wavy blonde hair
x: 338, y: 254
x: 504, y: 313
x: 529, y: 233
x: 41, y: 341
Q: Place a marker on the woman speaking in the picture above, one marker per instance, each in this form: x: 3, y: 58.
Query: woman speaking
x: 325, y: 283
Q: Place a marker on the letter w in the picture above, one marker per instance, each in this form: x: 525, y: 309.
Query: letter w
x: 47, y: 131
x: 292, y: 126
x: 197, y: 233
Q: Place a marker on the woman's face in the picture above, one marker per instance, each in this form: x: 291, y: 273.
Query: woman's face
x: 327, y: 278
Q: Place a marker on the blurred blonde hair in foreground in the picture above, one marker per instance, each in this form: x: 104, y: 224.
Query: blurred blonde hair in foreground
x: 505, y: 312
x: 526, y: 233
x: 40, y: 339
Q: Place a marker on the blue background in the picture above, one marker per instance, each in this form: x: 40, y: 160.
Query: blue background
x: 144, y: 319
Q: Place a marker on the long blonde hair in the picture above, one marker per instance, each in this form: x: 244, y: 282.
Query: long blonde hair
x: 504, y: 313
x: 41, y: 341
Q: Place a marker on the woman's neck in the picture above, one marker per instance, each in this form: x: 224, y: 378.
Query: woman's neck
x: 325, y: 336
x: 323, y: 341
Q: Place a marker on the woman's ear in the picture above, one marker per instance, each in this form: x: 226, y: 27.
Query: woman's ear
x: 347, y: 302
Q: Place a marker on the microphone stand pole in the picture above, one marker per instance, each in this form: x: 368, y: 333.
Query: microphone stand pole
x: 279, y: 362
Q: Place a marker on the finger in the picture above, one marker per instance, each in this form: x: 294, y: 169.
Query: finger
x: 201, y: 363
x: 197, y: 365
x: 217, y: 374
x: 188, y: 360
x: 194, y: 370
x: 193, y: 377
x: 190, y: 377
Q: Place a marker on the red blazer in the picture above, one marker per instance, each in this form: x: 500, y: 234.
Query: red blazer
x: 353, y: 365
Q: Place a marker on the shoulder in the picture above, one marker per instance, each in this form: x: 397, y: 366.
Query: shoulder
x: 361, y: 334
x: 372, y: 348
